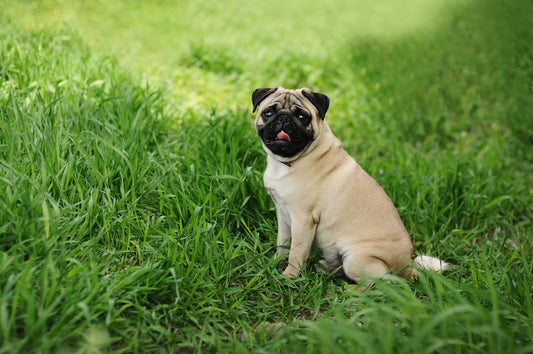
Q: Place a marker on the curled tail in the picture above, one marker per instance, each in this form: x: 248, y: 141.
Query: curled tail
x: 430, y: 263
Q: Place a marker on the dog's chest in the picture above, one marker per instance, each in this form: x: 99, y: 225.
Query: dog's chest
x: 282, y: 206
x: 276, y: 176
x: 276, y: 185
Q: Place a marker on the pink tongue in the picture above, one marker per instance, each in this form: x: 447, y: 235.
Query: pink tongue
x: 283, y: 136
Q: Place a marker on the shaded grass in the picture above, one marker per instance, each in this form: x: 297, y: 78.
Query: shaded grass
x: 132, y: 222
x: 470, y: 78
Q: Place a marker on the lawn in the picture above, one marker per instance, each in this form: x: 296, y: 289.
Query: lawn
x: 132, y: 212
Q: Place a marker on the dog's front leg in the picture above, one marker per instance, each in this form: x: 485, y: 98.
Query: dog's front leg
x: 284, y: 234
x: 303, y: 234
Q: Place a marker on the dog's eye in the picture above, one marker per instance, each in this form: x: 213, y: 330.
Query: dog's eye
x: 302, y: 116
x: 267, y: 114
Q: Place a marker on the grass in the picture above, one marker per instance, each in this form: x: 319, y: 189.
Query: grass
x: 132, y: 212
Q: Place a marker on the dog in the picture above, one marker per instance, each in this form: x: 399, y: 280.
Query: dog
x: 323, y: 196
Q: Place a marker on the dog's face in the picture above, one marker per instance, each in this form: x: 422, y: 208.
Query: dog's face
x: 288, y: 120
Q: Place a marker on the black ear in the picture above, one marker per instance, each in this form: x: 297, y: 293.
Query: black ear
x: 320, y: 101
x: 260, y: 94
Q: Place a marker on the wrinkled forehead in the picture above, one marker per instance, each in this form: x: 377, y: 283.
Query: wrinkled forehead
x: 288, y: 99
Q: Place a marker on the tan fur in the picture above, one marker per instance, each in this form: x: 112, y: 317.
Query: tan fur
x: 325, y: 197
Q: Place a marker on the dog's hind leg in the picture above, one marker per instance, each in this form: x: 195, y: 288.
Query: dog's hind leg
x: 358, y: 267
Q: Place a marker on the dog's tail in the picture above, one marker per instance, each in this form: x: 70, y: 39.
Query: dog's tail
x: 431, y: 263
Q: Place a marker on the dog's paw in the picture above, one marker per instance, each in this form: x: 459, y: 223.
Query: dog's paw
x: 290, y: 272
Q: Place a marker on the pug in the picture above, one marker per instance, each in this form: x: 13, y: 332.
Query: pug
x: 323, y: 196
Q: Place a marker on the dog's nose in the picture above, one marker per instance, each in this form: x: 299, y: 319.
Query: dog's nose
x: 284, y: 119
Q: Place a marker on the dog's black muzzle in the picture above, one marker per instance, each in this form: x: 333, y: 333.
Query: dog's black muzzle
x: 284, y: 134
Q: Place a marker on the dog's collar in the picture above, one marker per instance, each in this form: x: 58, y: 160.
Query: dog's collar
x: 286, y: 163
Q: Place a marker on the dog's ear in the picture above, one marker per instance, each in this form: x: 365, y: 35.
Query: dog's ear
x: 320, y: 101
x: 260, y: 94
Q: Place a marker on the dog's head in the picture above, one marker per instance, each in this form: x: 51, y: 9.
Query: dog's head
x: 287, y: 121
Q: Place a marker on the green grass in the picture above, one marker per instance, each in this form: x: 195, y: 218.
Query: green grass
x: 132, y: 212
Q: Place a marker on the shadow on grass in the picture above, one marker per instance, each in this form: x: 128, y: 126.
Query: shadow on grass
x: 473, y: 76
